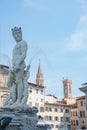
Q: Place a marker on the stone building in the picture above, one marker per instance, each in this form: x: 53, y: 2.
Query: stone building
x: 36, y: 97
x: 3, y: 78
x: 78, y: 108
x: 57, y: 114
x: 52, y: 111
x: 74, y: 117
x: 36, y: 92
x: 67, y: 88
x: 82, y: 112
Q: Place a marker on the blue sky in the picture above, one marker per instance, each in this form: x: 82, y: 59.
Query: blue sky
x: 56, y: 33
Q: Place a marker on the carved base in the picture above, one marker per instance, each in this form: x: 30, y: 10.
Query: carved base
x: 25, y: 123
x: 23, y: 118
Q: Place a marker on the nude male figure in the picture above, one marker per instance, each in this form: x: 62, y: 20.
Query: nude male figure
x: 18, y: 65
x: 18, y: 61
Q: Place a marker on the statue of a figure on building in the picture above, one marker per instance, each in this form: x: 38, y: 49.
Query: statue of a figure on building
x: 19, y: 73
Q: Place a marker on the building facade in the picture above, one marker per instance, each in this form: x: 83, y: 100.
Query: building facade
x: 79, y: 114
x: 36, y: 97
x: 52, y: 111
x: 74, y: 117
x: 3, y: 79
x: 82, y: 112
x: 56, y: 114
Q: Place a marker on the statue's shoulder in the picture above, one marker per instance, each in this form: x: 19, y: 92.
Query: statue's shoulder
x: 24, y: 43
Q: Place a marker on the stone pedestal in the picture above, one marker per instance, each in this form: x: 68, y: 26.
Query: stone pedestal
x: 23, y: 118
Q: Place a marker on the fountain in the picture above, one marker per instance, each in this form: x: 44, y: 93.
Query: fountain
x: 16, y: 114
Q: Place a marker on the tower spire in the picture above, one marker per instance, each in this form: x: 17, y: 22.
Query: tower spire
x: 39, y: 76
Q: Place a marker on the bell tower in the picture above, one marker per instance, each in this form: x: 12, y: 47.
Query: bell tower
x: 39, y: 76
x: 67, y: 87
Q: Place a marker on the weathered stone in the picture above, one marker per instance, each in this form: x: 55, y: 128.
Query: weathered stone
x: 22, y: 119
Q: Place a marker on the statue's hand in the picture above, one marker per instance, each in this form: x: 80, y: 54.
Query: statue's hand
x: 16, y: 68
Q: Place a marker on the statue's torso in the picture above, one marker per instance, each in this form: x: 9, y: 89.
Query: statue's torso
x: 17, y: 53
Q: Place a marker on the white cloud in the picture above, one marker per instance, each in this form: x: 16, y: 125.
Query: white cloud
x: 77, y: 41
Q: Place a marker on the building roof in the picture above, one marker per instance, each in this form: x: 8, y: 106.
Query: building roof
x: 74, y: 105
x: 80, y: 98
x: 4, y: 69
x: 51, y: 95
x: 63, y: 101
x: 4, y: 66
x: 35, y: 85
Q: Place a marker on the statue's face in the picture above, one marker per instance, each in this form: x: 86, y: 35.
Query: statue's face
x: 17, y: 36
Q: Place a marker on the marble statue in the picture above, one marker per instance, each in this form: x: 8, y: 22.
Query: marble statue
x: 18, y: 74
x: 16, y: 113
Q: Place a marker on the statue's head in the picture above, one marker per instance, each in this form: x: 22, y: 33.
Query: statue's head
x: 17, y: 33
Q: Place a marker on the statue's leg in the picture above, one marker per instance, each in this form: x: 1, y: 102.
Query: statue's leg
x: 19, y: 82
x: 13, y: 93
x: 10, y: 79
x: 25, y: 97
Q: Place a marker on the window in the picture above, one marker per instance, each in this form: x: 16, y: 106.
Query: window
x: 62, y: 118
x: 77, y: 122
x: 76, y: 113
x: 56, y: 118
x: 61, y: 110
x: 50, y: 109
x: 42, y: 92
x: 56, y: 110
x: 67, y: 110
x: 73, y: 113
x: 74, y: 122
x: 57, y: 126
x: 52, y: 125
x: 67, y: 119
x: 37, y: 91
x: 50, y: 118
x: 81, y: 103
x: 46, y: 108
x: 82, y: 113
x: 83, y: 122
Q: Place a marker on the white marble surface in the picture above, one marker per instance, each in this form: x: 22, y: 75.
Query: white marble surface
x: 17, y: 79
